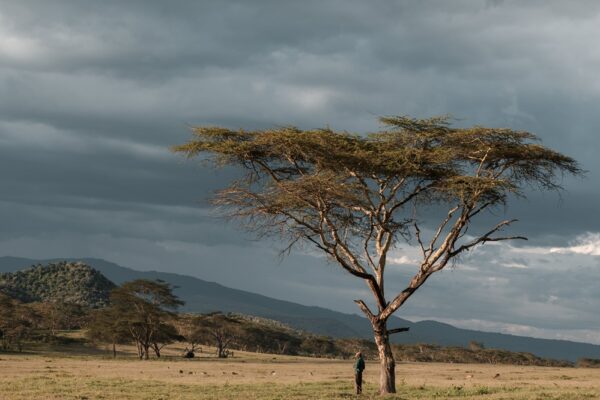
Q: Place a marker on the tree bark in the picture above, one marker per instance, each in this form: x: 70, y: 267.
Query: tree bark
x: 139, y: 349
x: 387, y: 374
x: 156, y: 349
x: 220, y: 352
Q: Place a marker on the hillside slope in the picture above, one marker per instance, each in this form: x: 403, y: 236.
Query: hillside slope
x: 203, y: 296
x: 62, y: 281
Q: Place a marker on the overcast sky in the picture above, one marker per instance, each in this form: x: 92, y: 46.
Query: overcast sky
x: 93, y: 93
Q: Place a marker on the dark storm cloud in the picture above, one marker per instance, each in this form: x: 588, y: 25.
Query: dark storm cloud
x: 94, y: 93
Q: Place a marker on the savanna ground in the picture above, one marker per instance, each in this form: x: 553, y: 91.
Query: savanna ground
x: 80, y: 372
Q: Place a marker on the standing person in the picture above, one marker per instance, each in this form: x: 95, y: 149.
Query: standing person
x: 359, y: 367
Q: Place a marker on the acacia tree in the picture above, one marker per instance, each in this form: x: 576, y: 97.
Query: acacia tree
x: 18, y: 322
x: 109, y: 325
x: 354, y: 197
x: 220, y: 329
x: 146, y: 307
x: 7, y: 317
x: 59, y: 315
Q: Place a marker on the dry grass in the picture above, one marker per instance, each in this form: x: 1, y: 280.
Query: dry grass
x: 54, y: 374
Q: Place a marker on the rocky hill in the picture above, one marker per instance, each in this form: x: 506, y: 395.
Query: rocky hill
x: 71, y: 282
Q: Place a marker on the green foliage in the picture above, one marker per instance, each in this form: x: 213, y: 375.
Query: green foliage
x: 57, y: 315
x: 588, y: 363
x: 63, y: 282
x: 108, y: 325
x: 472, y: 164
x: 18, y: 323
x: 473, y: 354
x: 142, y: 292
x: 216, y: 329
x: 141, y: 310
x: 474, y: 345
x: 248, y: 333
x: 354, y: 196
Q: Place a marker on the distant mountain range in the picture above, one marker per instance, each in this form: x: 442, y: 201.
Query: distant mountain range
x: 203, y: 296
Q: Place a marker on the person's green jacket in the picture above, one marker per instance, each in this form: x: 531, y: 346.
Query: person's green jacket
x: 359, y: 366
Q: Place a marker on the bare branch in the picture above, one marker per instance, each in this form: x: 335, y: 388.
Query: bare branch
x: 397, y: 330
x: 478, y: 172
x: 438, y: 233
x: 480, y: 208
x: 364, y: 186
x: 487, y: 238
x: 366, y: 243
x: 418, y: 236
x: 417, y: 190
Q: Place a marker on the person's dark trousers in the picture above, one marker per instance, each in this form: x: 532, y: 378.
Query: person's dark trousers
x: 358, y: 381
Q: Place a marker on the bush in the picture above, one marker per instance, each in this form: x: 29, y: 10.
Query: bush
x: 588, y: 363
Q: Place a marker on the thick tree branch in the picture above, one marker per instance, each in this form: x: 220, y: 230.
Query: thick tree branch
x: 365, y: 309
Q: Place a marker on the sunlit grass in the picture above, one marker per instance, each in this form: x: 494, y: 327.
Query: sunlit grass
x: 55, y: 386
x: 54, y: 375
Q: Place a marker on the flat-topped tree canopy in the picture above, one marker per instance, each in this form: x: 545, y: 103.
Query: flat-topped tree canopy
x: 355, y: 196
x: 296, y: 177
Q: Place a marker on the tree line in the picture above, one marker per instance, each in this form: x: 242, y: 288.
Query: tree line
x: 37, y: 322
x: 144, y: 313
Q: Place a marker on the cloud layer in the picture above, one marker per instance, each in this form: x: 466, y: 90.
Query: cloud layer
x: 94, y: 93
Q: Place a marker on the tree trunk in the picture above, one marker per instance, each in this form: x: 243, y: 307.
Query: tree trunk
x: 220, y: 349
x: 114, y: 350
x: 387, y: 374
x: 156, y: 349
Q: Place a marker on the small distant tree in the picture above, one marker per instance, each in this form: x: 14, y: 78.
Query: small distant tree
x: 318, y: 346
x: 18, y: 322
x: 220, y: 329
x: 254, y: 336
x: 60, y: 315
x: 166, y: 333
x: 148, y: 309
x: 476, y: 346
x: 189, y: 327
x: 355, y: 197
x: 7, y: 316
x: 109, y: 325
x: 27, y: 322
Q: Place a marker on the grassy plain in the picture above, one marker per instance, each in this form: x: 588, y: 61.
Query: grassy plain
x: 86, y: 373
